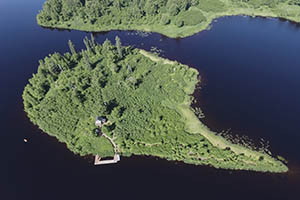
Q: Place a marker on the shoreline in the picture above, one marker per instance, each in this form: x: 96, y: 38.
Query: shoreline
x: 180, y: 33
x: 196, y: 126
x: 190, y: 141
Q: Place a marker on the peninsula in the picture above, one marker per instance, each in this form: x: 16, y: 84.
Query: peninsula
x: 173, y: 18
x: 143, y: 101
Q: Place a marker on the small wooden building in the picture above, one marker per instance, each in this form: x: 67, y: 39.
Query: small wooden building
x: 100, y: 121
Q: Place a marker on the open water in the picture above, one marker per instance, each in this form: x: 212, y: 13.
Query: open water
x: 250, y: 70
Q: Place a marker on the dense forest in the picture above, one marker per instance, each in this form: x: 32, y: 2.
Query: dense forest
x: 145, y: 98
x: 174, y: 18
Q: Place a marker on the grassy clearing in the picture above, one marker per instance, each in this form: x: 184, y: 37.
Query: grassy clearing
x: 156, y: 58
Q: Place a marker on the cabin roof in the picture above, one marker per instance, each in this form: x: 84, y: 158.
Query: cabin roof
x: 102, y: 119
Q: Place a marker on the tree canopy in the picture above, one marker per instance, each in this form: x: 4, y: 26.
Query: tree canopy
x: 171, y: 17
x: 145, y: 98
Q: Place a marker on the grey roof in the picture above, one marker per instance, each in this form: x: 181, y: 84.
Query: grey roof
x: 102, y: 119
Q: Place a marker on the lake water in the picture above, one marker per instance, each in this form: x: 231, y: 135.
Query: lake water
x: 250, y: 70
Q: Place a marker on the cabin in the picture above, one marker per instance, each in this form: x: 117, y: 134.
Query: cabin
x: 100, y: 121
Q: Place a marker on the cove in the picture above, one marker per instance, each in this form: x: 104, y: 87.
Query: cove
x: 250, y: 69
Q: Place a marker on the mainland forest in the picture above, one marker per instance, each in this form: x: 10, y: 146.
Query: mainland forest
x: 174, y: 18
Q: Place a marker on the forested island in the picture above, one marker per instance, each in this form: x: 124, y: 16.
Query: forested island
x: 145, y: 99
x: 173, y: 18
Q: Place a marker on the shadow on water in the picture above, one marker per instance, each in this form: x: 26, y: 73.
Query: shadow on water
x: 56, y: 29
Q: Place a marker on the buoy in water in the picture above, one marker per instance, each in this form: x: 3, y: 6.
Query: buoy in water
x: 25, y: 140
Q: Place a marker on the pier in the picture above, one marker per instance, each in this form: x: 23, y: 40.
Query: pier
x: 100, y: 122
x: 98, y: 160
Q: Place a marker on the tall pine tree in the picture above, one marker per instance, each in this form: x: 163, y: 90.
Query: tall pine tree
x: 86, y: 60
x: 72, y: 48
x: 87, y: 44
x: 119, y: 46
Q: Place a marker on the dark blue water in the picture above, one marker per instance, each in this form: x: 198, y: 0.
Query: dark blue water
x: 250, y: 70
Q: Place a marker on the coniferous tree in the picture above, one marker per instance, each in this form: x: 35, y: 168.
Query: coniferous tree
x: 119, y: 46
x: 93, y: 41
x: 72, y: 48
x: 86, y: 60
x: 87, y: 44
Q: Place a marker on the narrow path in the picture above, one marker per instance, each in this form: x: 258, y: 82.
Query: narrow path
x: 116, y: 148
x: 116, y: 158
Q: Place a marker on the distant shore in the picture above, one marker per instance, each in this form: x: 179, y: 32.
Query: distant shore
x: 171, y: 30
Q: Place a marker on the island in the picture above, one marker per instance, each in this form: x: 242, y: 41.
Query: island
x: 173, y: 18
x: 110, y: 100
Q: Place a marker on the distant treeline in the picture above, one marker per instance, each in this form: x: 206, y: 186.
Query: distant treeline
x: 116, y: 12
x: 156, y: 14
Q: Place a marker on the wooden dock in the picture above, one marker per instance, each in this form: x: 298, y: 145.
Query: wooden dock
x: 116, y: 158
x: 98, y: 160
